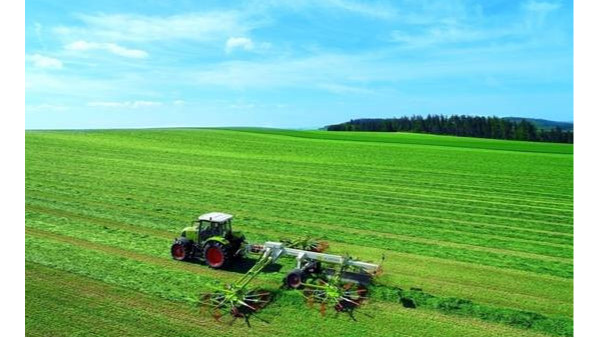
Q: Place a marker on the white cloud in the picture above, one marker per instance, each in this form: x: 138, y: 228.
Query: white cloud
x: 238, y: 42
x: 109, y: 47
x: 374, y: 9
x: 541, y: 6
x: 344, y: 89
x: 40, y: 61
x: 179, y: 102
x: 124, y: 104
x: 205, y: 26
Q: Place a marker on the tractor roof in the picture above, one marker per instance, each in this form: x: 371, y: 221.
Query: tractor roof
x: 215, y: 217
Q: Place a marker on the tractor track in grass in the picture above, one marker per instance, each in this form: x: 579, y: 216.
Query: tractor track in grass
x: 111, y: 251
x: 166, y: 235
x: 167, y: 263
x: 124, y: 192
x: 327, y: 171
x: 150, y: 315
x: 301, y: 183
x: 363, y: 232
x: 120, y: 185
x: 87, y: 290
x: 170, y: 234
x: 256, y: 170
x: 338, y: 170
x: 375, y: 200
x: 115, y: 208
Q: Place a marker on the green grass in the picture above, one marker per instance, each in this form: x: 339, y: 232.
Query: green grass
x: 483, y: 227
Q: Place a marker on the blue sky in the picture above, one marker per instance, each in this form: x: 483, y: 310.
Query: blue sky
x: 295, y: 64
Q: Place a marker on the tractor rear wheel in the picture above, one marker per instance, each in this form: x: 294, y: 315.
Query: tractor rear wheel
x: 216, y: 254
x: 181, y: 249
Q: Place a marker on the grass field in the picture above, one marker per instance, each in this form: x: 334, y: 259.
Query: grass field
x: 483, y: 227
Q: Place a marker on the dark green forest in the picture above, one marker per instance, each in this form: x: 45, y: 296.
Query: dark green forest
x: 461, y: 125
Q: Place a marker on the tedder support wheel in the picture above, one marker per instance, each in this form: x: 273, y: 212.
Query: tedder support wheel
x: 181, y: 249
x: 216, y: 254
x: 295, y: 278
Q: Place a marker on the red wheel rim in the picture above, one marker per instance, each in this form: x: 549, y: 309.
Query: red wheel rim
x: 178, y: 252
x: 214, y: 257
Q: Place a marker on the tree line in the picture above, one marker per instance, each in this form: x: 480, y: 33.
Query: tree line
x: 461, y: 125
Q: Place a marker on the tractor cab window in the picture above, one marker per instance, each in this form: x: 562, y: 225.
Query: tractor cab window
x: 227, y: 227
x: 208, y: 229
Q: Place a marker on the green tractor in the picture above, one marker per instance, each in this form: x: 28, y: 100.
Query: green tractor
x: 209, y: 238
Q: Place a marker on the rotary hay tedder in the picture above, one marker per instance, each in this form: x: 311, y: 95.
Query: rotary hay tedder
x: 331, y: 281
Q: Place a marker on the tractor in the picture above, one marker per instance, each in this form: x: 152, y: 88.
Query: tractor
x: 211, y: 239
x: 334, y: 281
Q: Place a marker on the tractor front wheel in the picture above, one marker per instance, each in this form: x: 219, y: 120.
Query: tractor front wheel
x: 181, y: 249
x: 216, y: 254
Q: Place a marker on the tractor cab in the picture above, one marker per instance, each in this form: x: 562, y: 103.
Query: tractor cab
x: 214, y: 224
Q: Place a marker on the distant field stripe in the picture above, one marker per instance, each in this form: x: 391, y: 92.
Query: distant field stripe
x: 175, y: 205
x: 415, y: 138
x: 340, y: 169
x: 456, y: 230
x: 380, y: 200
x: 169, y: 234
x: 419, y: 215
x: 418, y: 212
x: 216, y: 156
x: 526, y: 264
x: 445, y: 231
x: 288, y: 166
x: 495, y: 196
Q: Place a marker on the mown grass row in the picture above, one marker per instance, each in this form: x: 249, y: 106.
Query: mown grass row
x: 109, y: 231
x: 102, y: 266
x: 524, y: 245
x: 561, y: 269
x: 215, y: 153
x: 149, y: 173
x: 559, y: 221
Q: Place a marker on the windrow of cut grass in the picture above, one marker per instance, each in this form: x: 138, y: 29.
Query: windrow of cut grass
x: 446, y: 236
x: 68, y: 304
x: 147, y: 275
x: 476, y: 223
x: 557, y: 268
x: 492, y: 286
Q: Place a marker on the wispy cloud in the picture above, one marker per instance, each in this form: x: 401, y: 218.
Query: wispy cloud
x: 203, y: 26
x: 238, y: 42
x: 124, y: 104
x: 541, y: 6
x: 41, y: 61
x: 373, y: 9
x: 344, y: 89
x: 109, y: 47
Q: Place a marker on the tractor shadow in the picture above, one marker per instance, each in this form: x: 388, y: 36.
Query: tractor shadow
x: 242, y: 265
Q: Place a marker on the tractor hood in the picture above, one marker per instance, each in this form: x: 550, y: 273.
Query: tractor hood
x: 190, y: 233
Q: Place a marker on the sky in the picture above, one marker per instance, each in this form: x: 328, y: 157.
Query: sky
x: 293, y: 64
